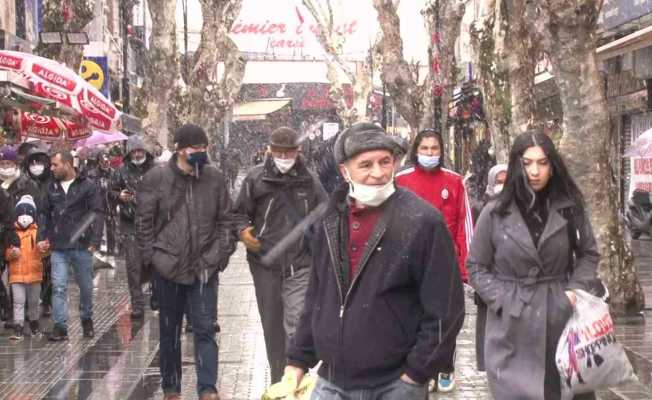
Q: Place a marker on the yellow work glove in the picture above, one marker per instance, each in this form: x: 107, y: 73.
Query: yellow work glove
x: 247, y: 237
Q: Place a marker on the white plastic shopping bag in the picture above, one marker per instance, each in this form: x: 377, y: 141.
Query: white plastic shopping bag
x: 588, y: 356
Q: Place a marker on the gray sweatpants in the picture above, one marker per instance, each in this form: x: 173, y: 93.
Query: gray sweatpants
x: 280, y: 303
x: 26, y: 293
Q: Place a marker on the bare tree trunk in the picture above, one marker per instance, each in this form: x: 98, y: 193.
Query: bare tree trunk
x: 360, y: 79
x: 209, y: 99
x: 412, y: 100
x: 585, y: 143
x: 520, y: 54
x: 443, y: 20
x: 163, y: 69
x: 506, y: 52
x: 65, y: 16
x: 488, y: 35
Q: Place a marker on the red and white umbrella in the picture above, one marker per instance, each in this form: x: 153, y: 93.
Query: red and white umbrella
x: 642, y: 146
x: 57, y: 82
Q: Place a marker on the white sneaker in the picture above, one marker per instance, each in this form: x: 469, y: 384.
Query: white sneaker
x: 445, y: 382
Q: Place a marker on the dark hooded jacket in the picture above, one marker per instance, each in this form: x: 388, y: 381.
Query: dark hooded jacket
x: 24, y: 186
x: 102, y: 178
x: 40, y: 154
x: 274, y: 203
x: 184, y: 224
x: 128, y: 177
x: 403, y: 309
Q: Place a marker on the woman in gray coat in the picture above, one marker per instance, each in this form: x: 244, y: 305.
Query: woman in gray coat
x: 531, y: 247
x: 495, y: 182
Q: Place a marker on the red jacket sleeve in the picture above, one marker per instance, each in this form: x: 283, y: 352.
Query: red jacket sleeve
x: 464, y: 231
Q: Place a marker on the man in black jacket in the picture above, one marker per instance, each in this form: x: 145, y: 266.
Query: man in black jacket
x: 275, y: 197
x: 184, y: 227
x: 101, y: 173
x: 385, y: 300
x: 122, y: 190
x: 72, y: 225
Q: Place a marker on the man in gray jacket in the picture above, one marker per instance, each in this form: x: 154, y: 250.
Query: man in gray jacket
x: 274, y: 198
x: 184, y: 228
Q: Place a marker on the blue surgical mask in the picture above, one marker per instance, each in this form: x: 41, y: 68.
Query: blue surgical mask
x: 198, y: 159
x: 428, y: 162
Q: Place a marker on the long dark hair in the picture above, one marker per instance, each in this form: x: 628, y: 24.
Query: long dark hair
x: 517, y: 188
x: 426, y: 133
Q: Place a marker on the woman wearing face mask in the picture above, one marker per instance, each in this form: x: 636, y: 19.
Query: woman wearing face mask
x: 37, y: 166
x: 495, y: 182
x: 14, y: 182
x: 444, y: 190
x: 520, y: 265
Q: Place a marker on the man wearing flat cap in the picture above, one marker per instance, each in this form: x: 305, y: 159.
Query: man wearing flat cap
x: 274, y: 198
x: 385, y: 298
x: 184, y: 226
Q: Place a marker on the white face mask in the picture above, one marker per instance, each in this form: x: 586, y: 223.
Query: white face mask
x: 370, y: 195
x: 25, y: 220
x: 7, y: 173
x: 139, y: 162
x: 37, y: 169
x: 284, y: 165
x: 428, y: 162
x: 498, y: 188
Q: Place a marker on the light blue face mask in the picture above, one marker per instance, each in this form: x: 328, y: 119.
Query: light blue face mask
x: 428, y: 162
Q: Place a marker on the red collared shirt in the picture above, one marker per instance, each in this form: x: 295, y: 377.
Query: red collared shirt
x: 362, y: 222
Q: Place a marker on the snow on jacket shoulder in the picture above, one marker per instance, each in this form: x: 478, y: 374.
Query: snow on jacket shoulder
x: 444, y: 190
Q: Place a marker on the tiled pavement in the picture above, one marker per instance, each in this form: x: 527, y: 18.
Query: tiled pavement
x: 122, y: 361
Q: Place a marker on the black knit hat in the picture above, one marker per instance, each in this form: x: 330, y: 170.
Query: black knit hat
x: 284, y: 137
x: 361, y: 137
x: 190, y: 135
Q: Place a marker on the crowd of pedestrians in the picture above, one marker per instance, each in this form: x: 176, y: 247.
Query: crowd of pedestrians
x: 364, y: 279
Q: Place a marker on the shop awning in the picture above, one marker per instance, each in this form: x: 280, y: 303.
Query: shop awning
x: 634, y: 41
x: 258, y: 110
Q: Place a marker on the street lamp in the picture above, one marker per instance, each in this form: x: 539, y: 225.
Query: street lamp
x: 77, y: 38
x: 50, y: 37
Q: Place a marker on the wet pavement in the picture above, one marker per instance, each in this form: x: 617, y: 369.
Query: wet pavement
x: 121, y: 362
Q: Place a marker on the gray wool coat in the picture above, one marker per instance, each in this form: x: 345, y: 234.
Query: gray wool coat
x: 523, y: 287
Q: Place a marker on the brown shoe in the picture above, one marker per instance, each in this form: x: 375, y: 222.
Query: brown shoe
x: 172, y: 396
x: 209, y: 396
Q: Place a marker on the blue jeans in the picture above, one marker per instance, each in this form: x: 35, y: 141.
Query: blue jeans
x: 82, y: 265
x: 202, y: 299
x: 395, y: 390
